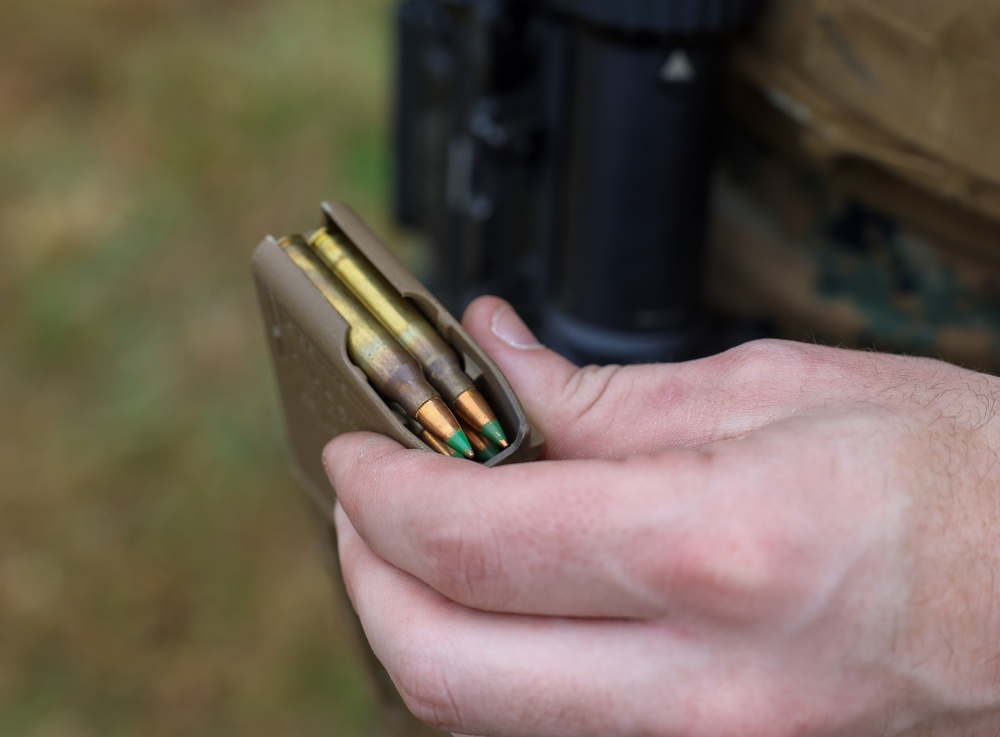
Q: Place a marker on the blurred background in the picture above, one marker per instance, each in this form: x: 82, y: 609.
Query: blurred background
x: 158, y: 571
x: 159, y: 574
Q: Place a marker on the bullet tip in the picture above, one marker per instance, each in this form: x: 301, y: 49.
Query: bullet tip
x: 491, y: 451
x: 461, y: 443
x: 494, y: 432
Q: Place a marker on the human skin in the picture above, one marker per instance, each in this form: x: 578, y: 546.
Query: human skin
x: 784, y: 539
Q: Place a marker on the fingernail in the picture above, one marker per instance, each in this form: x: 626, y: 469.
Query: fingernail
x: 509, y: 328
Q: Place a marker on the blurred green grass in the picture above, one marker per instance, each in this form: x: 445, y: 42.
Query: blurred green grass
x: 158, y: 575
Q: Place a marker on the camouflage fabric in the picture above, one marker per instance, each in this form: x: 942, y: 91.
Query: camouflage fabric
x: 847, y: 255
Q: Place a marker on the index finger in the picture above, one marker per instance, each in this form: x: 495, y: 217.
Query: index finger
x: 633, y: 538
x: 489, y: 538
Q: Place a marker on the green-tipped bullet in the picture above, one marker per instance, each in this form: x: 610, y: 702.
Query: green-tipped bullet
x: 483, y: 447
x: 433, y: 442
x: 389, y: 367
x: 401, y: 318
x: 494, y: 432
x: 435, y: 416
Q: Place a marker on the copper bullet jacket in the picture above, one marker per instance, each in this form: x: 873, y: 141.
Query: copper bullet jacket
x: 431, y: 441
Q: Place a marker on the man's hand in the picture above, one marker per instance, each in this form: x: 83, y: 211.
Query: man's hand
x: 784, y: 539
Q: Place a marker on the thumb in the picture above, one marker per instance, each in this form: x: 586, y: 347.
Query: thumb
x: 594, y: 411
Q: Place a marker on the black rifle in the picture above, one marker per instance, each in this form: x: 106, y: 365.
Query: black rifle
x: 558, y: 153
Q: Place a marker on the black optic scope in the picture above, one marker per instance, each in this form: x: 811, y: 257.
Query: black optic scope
x: 558, y: 153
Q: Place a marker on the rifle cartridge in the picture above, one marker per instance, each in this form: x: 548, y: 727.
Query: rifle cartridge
x: 403, y: 320
x: 389, y: 367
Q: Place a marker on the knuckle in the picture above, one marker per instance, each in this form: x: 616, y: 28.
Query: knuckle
x: 763, y: 366
x: 466, y: 563
x: 742, y: 572
x: 738, y: 558
x: 587, y: 390
x: 424, y: 682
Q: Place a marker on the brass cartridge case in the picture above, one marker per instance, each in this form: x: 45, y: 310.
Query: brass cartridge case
x: 405, y: 322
